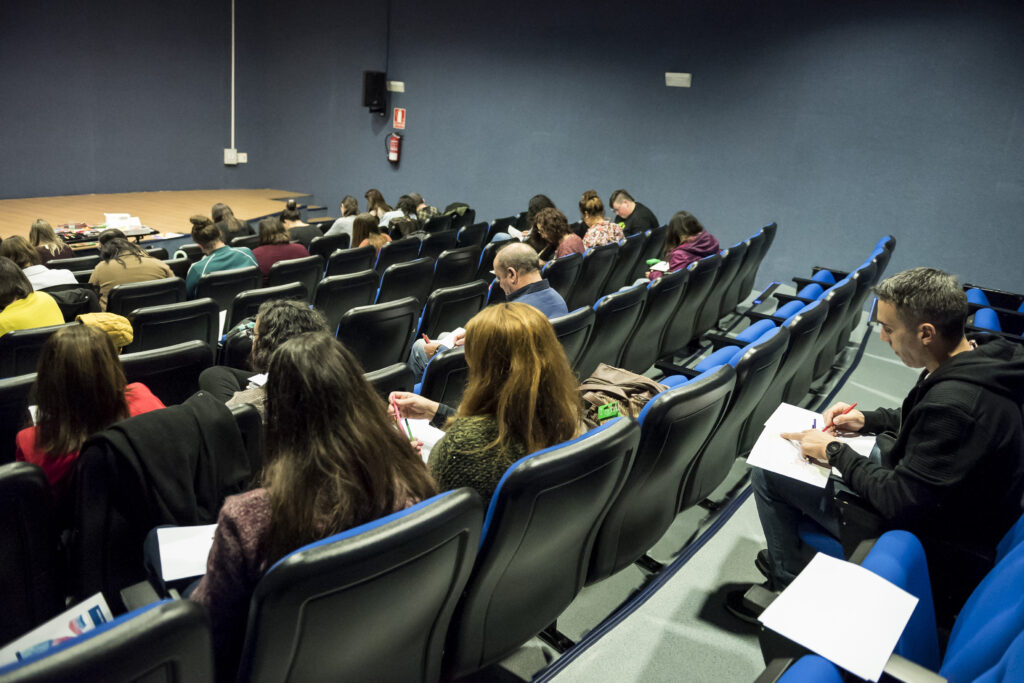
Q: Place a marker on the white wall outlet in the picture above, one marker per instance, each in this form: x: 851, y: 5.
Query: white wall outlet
x: 243, y: 157
x: 677, y: 80
x: 396, y: 86
x: 230, y: 157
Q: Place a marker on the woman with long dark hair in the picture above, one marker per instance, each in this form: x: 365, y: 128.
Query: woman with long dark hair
x: 80, y: 390
x: 122, y: 262
x: 686, y: 241
x: 229, y: 226
x: 334, y: 460
x: 552, y: 227
x: 275, y: 246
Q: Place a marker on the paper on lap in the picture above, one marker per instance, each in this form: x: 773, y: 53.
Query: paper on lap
x: 844, y: 612
x: 448, y: 340
x: 183, y: 550
x: 429, y: 435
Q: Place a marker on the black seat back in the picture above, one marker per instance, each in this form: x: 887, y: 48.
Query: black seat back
x: 460, y: 221
x: 562, y: 273
x: 20, y: 349
x: 755, y: 255
x: 732, y: 296
x: 538, y: 536
x: 338, y: 294
x: 158, y: 253
x: 348, y: 261
x: 452, y: 307
x: 674, y: 425
x: 247, y: 303
x: 864, y: 276
x: 398, y: 251
x: 413, y: 563
x: 654, y: 247
x: 573, y: 330
x: 307, y: 271
x: 123, y: 299
x: 179, y: 266
x: 456, y: 267
x: 708, y: 315
x: 663, y: 297
x: 625, y: 264
x: 435, y: 243
x: 471, y: 235
x: 14, y: 416
x: 755, y: 370
x: 326, y: 245
x: 250, y: 427
x: 30, y: 587
x: 381, y: 334
x: 395, y: 377
x: 157, y: 326
x: 615, y: 317
x: 682, y: 328
x: 171, y: 372
x: 445, y: 377
x: 486, y: 263
x: 193, y: 252
x: 247, y: 241
x: 224, y: 285
x: 163, y: 641
x: 411, y: 278
x: 499, y: 225
x: 834, y: 330
x: 594, y: 272
x: 75, y: 262
x: 440, y: 223
x: 495, y: 294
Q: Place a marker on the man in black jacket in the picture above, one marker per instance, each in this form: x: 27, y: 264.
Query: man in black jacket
x: 633, y: 216
x: 952, y: 458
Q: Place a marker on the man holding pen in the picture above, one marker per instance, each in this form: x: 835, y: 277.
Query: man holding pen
x: 951, y: 465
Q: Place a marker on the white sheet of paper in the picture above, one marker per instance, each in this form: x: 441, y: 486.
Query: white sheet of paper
x: 856, y: 627
x: 517, y: 234
x: 429, y: 435
x: 773, y: 453
x: 258, y: 380
x: 183, y: 550
x: 449, y: 339
x: 75, y: 621
x: 220, y: 328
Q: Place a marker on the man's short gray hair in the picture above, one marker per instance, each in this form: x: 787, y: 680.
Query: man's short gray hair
x: 927, y: 295
x: 519, y: 256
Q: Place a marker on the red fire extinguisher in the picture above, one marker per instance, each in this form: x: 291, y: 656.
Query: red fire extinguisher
x: 394, y: 147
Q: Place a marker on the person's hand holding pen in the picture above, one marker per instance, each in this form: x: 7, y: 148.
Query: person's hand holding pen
x: 412, y: 406
x: 842, y: 417
x: 812, y: 444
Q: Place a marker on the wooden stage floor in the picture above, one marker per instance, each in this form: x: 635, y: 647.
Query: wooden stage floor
x: 162, y: 211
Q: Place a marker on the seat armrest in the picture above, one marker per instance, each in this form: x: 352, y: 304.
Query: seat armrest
x: 786, y: 298
x: 802, y: 282
x: 140, y: 594
x: 768, y: 291
x: 839, y: 274
x: 774, y: 669
x: 858, y: 521
x: 719, y: 340
x: 861, y: 552
x: 902, y: 669
x: 755, y: 316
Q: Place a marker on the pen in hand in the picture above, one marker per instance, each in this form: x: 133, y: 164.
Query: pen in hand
x: 829, y: 426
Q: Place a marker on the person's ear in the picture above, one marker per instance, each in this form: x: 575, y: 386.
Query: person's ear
x: 926, y: 333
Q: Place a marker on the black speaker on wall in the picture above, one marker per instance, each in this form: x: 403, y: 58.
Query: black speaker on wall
x: 375, y: 91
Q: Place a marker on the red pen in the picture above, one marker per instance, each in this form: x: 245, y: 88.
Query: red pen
x: 826, y: 427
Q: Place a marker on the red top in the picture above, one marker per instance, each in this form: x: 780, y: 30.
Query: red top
x: 56, y: 467
x: 269, y: 254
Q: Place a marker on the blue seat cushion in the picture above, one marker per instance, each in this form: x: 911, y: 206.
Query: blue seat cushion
x: 825, y: 277
x: 986, y: 319
x: 815, y: 536
x: 976, y: 296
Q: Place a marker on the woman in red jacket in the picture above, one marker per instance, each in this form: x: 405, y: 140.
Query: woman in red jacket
x: 81, y: 390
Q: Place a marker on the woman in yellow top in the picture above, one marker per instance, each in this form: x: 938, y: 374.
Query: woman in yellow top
x: 20, y: 307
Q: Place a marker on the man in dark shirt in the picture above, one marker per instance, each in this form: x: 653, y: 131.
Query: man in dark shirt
x: 633, y: 216
x: 950, y: 466
x: 517, y: 269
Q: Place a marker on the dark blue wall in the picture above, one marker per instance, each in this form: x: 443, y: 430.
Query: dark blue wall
x: 842, y: 121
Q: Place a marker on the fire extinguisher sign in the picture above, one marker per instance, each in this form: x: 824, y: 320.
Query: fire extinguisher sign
x: 398, y: 119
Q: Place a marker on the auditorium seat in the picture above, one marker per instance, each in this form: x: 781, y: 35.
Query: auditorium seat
x: 625, y: 264
x: 495, y: 294
x: 537, y: 538
x: 166, y: 641
x: 435, y: 243
x: 178, y: 266
x: 644, y: 344
x: 123, y: 299
x: 451, y: 307
x: 193, y: 252
x: 380, y: 335
x: 325, y: 246
x: 318, y: 613
x: 573, y: 329
x: 348, y: 261
x: 654, y: 247
x: 410, y: 278
x: 442, y: 223
x: 247, y: 303
x: 170, y: 372
x: 20, y: 349
x: 673, y: 427
x: 486, y: 265
x: 445, y: 377
x: 395, y: 377
x: 594, y: 272
x: 743, y: 283
x: 681, y: 330
x: 247, y: 241
x: 710, y: 313
x: 562, y: 273
x: 223, y: 285
x: 756, y: 365
x: 307, y: 271
x: 399, y: 251
x: 31, y: 586
x: 615, y: 316
x: 471, y: 235
x: 460, y: 221
x: 156, y: 326
x: 14, y: 402
x: 456, y: 267
x: 74, y: 263
x: 337, y: 294
x: 499, y: 225
x: 250, y: 428
x: 158, y: 253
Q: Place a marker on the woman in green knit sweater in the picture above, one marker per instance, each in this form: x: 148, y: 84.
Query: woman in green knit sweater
x: 521, y: 397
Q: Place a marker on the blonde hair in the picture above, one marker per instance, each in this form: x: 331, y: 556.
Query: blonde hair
x: 518, y: 373
x: 41, y: 234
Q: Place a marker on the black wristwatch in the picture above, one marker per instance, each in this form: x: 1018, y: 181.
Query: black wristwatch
x: 833, y: 449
